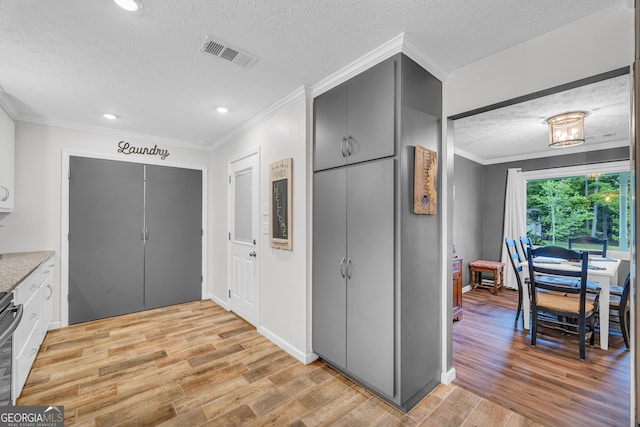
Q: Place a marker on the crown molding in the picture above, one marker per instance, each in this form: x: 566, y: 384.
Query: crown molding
x: 289, y: 100
x: 542, y: 154
x: 7, y: 104
x: 467, y: 155
x: 361, y: 64
x: 422, y: 58
x: 28, y: 118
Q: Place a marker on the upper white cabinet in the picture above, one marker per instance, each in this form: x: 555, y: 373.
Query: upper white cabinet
x: 7, y: 161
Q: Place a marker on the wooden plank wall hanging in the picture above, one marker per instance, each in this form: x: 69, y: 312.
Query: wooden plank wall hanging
x: 425, y: 196
x: 280, y: 182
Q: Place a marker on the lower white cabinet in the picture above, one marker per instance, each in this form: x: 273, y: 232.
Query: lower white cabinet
x: 35, y: 294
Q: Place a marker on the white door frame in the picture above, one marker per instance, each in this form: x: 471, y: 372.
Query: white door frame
x: 64, y: 220
x: 230, y: 227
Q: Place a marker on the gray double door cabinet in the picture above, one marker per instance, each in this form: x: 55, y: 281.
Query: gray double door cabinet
x: 135, y: 237
x: 366, y: 257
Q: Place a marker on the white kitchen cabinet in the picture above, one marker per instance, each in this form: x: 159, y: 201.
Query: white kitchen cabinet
x: 35, y: 293
x: 7, y: 161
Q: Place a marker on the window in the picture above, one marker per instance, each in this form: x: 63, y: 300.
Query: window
x: 590, y: 200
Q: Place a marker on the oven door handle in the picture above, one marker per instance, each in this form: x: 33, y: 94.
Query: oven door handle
x: 14, y: 324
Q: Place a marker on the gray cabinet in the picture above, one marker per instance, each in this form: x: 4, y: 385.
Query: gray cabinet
x: 354, y: 122
x: 376, y: 288
x: 353, y: 270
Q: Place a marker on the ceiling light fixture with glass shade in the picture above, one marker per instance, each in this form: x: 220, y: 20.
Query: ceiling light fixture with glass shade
x: 566, y: 129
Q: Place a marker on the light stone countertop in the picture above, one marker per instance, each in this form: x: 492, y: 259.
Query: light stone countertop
x: 15, y: 267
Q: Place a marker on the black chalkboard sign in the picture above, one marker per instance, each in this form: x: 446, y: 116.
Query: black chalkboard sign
x: 279, y: 206
x: 280, y: 179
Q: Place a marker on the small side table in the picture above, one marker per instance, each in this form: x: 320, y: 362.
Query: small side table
x: 482, y: 266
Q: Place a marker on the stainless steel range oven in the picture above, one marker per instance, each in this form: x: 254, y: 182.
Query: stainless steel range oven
x: 10, y: 316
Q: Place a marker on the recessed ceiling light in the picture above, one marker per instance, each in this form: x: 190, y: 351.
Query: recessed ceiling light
x: 129, y: 5
x: 222, y: 109
x: 109, y: 116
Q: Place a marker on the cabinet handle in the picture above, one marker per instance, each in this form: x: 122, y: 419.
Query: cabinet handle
x: 348, y: 268
x: 5, y: 190
x: 51, y: 292
x: 348, y: 145
x: 343, y: 144
x: 342, y: 267
x: 33, y: 316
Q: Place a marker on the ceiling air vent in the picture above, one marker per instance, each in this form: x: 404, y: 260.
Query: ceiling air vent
x: 228, y: 52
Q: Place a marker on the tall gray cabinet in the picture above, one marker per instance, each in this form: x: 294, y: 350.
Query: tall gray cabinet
x: 376, y: 266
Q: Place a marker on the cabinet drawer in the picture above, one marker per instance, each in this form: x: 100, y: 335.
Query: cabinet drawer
x: 27, y: 288
x: 24, y: 361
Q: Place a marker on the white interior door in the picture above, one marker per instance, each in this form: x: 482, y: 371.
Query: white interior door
x: 244, y: 214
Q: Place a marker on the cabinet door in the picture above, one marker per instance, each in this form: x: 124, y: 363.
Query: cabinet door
x: 371, y: 113
x: 370, y: 286
x: 173, y: 249
x: 7, y: 161
x: 329, y: 265
x: 106, y: 250
x: 330, y: 127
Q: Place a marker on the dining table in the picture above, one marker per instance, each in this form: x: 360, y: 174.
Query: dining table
x: 603, y: 271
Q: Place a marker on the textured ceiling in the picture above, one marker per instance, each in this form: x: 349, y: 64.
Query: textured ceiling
x: 519, y: 131
x: 68, y: 61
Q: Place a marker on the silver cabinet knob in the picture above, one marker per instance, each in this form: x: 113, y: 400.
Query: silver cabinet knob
x: 253, y: 254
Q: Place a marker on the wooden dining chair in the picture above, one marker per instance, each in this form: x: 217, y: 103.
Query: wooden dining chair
x: 525, y: 244
x: 516, y: 260
x: 588, y: 240
x: 566, y: 303
x: 619, y: 304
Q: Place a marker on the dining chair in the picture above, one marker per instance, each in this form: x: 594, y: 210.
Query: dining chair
x: 516, y: 260
x: 566, y: 303
x: 588, y: 240
x: 525, y: 244
x: 620, y: 305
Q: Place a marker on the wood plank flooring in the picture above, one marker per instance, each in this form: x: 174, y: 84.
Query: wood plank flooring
x: 196, y: 364
x: 548, y: 383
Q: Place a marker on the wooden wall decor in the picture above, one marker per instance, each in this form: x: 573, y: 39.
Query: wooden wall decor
x: 280, y: 182
x: 425, y: 196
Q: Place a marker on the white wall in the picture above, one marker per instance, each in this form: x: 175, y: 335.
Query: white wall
x: 596, y: 44
x: 35, y: 223
x: 284, y: 288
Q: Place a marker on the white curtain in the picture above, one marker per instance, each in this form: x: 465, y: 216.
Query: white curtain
x: 515, y: 220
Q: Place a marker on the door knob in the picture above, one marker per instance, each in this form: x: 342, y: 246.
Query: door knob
x: 253, y: 254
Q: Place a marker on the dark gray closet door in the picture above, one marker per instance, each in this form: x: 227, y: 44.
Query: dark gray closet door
x: 329, y: 321
x: 370, y: 284
x: 106, y: 251
x: 173, y: 249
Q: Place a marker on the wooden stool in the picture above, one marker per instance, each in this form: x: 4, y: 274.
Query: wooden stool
x: 494, y: 267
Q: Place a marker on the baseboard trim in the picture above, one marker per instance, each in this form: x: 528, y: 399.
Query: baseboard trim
x: 448, y: 376
x: 218, y: 301
x: 55, y: 325
x: 303, y: 357
x: 466, y: 289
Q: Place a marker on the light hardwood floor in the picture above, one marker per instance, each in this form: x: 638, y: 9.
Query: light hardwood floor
x: 548, y: 383
x: 196, y: 364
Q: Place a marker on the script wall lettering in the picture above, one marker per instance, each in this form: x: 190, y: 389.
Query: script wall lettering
x: 126, y: 148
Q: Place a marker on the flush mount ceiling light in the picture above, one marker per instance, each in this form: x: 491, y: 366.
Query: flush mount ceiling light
x: 129, y: 5
x: 222, y: 109
x: 566, y: 130
x: 109, y: 116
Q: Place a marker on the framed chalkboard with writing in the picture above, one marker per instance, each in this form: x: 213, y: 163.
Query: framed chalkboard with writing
x: 280, y: 181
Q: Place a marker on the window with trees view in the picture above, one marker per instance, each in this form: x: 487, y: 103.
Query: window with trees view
x: 580, y: 201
